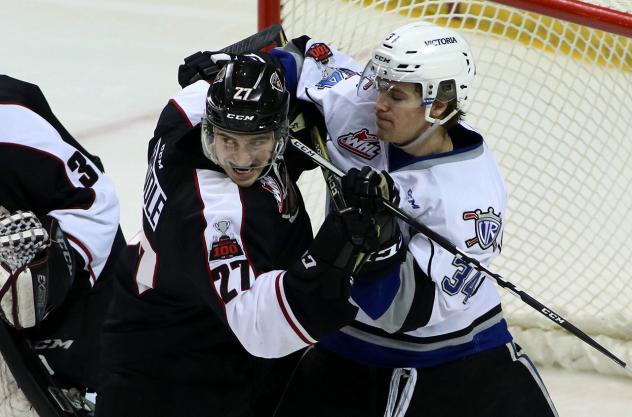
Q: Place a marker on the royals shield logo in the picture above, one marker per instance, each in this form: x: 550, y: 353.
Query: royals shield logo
x: 488, y: 226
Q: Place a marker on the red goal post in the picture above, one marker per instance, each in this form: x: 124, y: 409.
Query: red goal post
x: 553, y: 98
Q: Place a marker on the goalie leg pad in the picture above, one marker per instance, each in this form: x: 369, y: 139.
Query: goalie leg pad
x: 17, y: 302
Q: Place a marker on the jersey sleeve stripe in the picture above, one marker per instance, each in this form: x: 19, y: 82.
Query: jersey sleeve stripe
x: 287, y: 312
x: 241, y: 232
x: 191, y: 102
x: 204, y: 243
x: 182, y: 112
x: 83, y: 250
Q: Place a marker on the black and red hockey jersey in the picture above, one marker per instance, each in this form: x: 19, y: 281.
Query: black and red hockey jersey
x: 207, y: 295
x: 43, y: 169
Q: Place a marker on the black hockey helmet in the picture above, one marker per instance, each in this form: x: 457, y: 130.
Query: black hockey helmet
x: 247, y: 96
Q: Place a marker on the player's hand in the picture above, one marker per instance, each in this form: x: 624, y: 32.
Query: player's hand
x: 367, y: 189
x: 359, y: 229
x: 205, y: 65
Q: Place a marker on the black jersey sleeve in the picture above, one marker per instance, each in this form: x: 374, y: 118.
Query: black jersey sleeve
x: 44, y: 170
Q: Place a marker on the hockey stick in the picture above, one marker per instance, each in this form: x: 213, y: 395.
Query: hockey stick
x: 332, y: 181
x: 447, y: 245
x: 199, y: 66
x: 35, y: 381
x: 333, y: 184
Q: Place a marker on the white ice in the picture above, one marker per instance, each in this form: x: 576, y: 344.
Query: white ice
x: 108, y: 67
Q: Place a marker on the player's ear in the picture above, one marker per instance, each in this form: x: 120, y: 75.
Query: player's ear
x: 438, y: 108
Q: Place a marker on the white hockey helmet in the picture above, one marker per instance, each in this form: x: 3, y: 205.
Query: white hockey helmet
x: 425, y: 54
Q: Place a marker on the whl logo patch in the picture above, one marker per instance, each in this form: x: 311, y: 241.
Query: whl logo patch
x: 487, y: 224
x: 361, y: 143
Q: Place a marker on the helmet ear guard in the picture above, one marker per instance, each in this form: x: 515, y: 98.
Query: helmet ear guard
x: 437, y: 58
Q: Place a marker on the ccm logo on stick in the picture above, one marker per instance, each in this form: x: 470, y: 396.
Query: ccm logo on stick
x: 553, y: 316
x: 239, y: 117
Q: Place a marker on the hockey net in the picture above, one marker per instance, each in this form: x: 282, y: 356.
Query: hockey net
x: 553, y: 98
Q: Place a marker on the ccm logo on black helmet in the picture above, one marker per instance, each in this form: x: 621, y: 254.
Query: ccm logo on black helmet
x: 441, y: 41
x: 382, y: 58
x: 239, y: 116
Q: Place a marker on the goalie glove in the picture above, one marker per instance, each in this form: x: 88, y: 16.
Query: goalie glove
x: 37, y: 268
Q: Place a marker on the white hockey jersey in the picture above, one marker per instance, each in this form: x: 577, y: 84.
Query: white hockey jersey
x: 435, y: 308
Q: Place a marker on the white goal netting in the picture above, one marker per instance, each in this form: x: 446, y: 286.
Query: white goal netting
x: 554, y: 101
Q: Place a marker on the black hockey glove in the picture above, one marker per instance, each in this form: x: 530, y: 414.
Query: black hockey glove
x: 37, y: 268
x: 198, y: 66
x: 205, y: 65
x: 336, y: 253
x: 366, y: 190
x: 201, y: 65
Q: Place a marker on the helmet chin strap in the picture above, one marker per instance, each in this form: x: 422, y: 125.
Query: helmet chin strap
x: 434, y: 125
x: 420, y: 139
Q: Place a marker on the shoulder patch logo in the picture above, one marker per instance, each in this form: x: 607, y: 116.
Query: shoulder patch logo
x: 224, y: 247
x: 361, y: 143
x: 319, y: 52
x: 275, y: 82
x: 487, y: 224
x: 269, y: 183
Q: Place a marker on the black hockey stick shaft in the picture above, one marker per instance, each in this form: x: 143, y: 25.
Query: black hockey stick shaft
x: 331, y: 179
x: 270, y: 37
x: 333, y: 184
x: 447, y: 245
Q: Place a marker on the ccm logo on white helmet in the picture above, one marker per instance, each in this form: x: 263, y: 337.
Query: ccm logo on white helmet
x: 441, y: 41
x: 382, y: 58
x: 239, y: 117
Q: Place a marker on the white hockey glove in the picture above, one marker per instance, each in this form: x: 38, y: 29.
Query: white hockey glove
x: 36, y: 268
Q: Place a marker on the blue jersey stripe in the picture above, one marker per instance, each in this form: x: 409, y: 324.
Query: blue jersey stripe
x: 380, y: 356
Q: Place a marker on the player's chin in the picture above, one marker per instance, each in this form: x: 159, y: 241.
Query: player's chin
x: 384, y: 133
x: 242, y: 177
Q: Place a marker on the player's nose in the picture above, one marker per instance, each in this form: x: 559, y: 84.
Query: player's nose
x: 381, y: 104
x: 242, y: 157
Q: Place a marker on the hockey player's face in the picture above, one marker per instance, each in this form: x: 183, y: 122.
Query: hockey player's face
x: 398, y: 112
x: 243, y: 157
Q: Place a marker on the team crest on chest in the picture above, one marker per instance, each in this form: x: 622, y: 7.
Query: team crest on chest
x: 488, y: 226
x: 224, y: 247
x: 361, y: 143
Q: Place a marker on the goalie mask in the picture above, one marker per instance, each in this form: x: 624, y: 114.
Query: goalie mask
x: 245, y: 126
x: 438, y: 59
